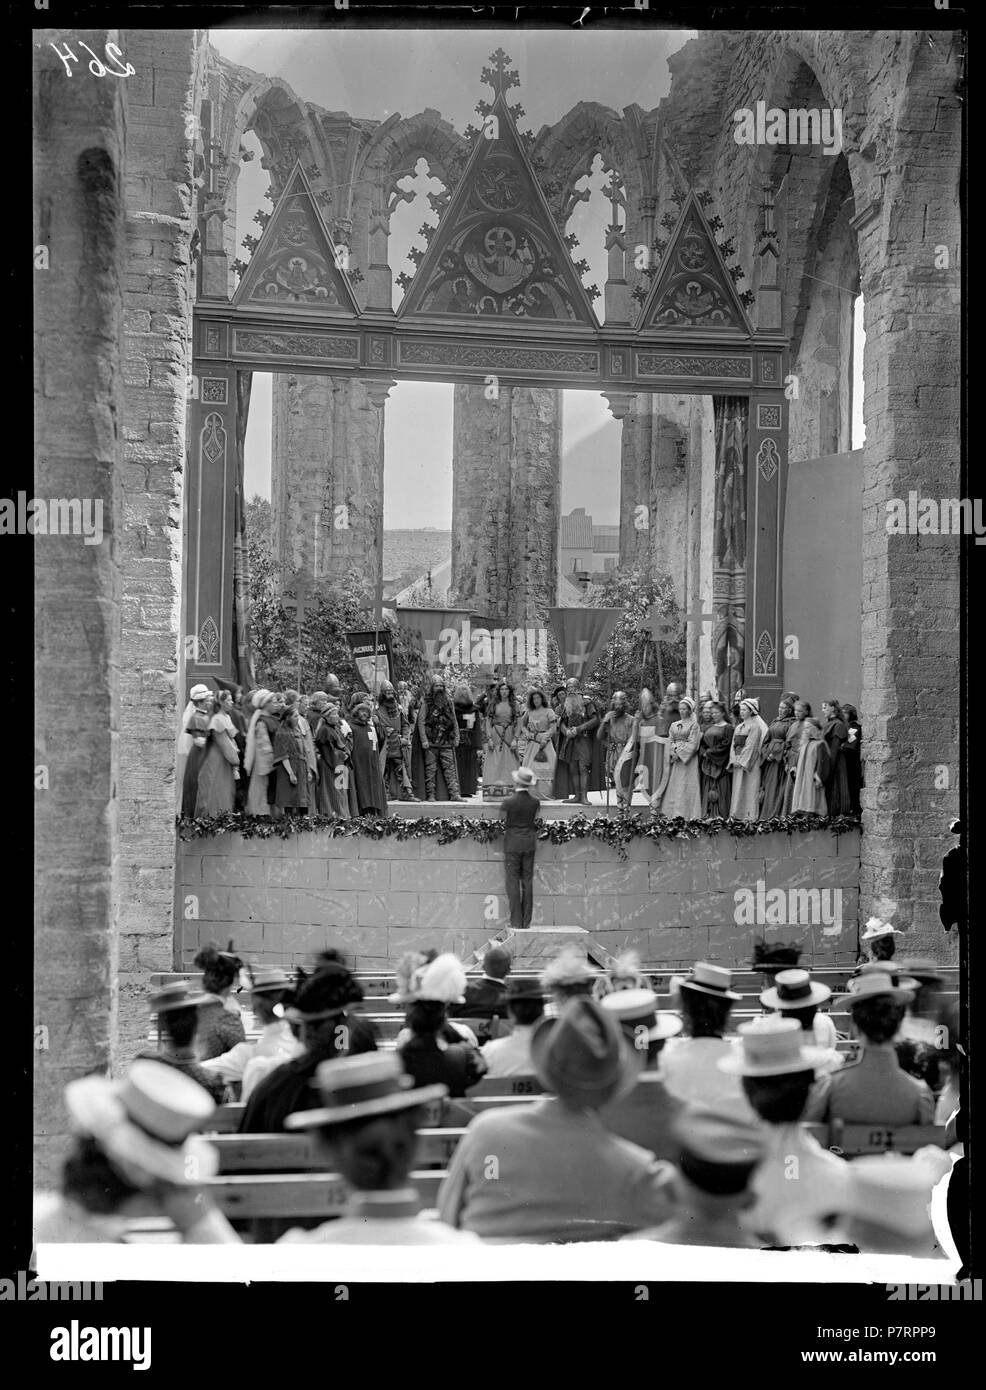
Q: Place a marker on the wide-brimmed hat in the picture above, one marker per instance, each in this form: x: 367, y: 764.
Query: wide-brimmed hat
x: 889, y: 968
x: 637, y: 1008
x: 713, y: 1139
x: 876, y: 927
x: 270, y: 979
x: 524, y: 776
x: 324, y: 995
x: 771, y: 1046
x: 581, y: 1056
x: 199, y: 692
x: 877, y: 984
x: 145, y: 1123
x: 707, y: 979
x: 924, y: 971
x: 180, y: 994
x: 260, y: 697
x: 794, y: 989
x: 891, y: 1191
x: 356, y: 1088
x: 524, y: 987
x: 442, y: 981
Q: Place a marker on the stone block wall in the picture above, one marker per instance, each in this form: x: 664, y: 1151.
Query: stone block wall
x: 674, y: 901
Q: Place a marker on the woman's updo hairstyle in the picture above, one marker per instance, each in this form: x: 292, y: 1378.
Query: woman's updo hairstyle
x: 220, y: 969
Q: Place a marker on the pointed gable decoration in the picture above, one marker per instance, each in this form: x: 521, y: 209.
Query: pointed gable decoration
x: 497, y: 252
x: 294, y: 264
x: 693, y: 287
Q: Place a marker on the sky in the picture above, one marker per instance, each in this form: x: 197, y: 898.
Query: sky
x: 372, y: 75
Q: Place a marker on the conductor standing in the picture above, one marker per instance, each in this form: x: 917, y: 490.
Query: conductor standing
x: 520, y: 845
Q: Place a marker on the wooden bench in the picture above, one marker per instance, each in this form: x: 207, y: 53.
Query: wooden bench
x: 436, y: 1114
x: 296, y: 1195
x: 854, y: 1140
x: 287, y: 1153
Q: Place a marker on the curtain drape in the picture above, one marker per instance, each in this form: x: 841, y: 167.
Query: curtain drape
x: 242, y: 650
x: 732, y: 420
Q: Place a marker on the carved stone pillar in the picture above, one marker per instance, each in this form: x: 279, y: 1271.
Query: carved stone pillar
x: 379, y: 279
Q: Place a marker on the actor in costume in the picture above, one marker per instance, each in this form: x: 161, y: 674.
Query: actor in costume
x: 396, y: 730
x: 773, y: 779
x: 293, y: 774
x: 579, y: 721
x: 439, y: 735
x: 192, y: 744
x: 715, y: 778
x: 334, y: 768
x: 220, y: 768
x: 535, y: 742
x: 615, y: 730
x: 749, y: 737
x: 648, y: 746
x: 836, y: 735
x: 500, y: 759
x: 681, y: 793
x: 852, y: 752
x: 258, y: 760
x: 470, y: 722
x: 792, y: 747
x: 371, y: 796
x: 809, y: 781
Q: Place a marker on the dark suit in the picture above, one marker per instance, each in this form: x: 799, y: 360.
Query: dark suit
x: 519, y: 846
x: 484, y: 999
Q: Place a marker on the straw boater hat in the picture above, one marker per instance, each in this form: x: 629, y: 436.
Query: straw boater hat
x: 706, y: 979
x: 877, y: 984
x: 270, y: 979
x: 771, y: 1046
x: 924, y: 971
x: 524, y: 777
x: 581, y: 1056
x: 357, y: 1088
x: 889, y: 968
x: 180, y: 994
x: 876, y: 927
x: 637, y: 1008
x: 794, y: 989
x: 145, y: 1123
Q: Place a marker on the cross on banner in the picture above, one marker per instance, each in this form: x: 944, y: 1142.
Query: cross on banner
x: 578, y: 658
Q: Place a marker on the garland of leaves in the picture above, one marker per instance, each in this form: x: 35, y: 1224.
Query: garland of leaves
x: 615, y: 831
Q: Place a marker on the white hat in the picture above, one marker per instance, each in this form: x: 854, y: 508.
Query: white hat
x: 199, y: 692
x: 876, y: 927
x: 144, y: 1123
x: 260, y: 698
x: 707, y: 979
x: 357, y: 1088
x: 794, y: 989
x: 876, y: 984
x: 524, y: 776
x: 635, y: 1007
x: 442, y: 980
x: 771, y: 1046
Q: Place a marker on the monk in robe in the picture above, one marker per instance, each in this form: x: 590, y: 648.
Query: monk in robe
x: 371, y: 795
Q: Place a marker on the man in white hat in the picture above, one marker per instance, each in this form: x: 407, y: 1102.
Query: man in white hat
x: 690, y: 1061
x: 875, y: 1089
x: 135, y: 1150
x: 367, y: 1127
x: 559, y: 1174
x: 520, y: 812
x: 716, y: 1156
x: 247, y: 1063
x: 796, y: 995
x: 646, y: 1114
x: 800, y: 1188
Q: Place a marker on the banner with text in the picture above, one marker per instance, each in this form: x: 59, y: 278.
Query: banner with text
x: 373, y: 658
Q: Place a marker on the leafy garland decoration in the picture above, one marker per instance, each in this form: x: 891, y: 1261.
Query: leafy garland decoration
x: 615, y: 831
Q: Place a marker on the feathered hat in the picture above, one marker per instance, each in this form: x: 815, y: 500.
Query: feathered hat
x: 569, y: 970
x: 407, y: 970
x: 442, y: 980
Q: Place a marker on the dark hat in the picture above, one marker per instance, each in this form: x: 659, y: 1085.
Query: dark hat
x: 325, y: 994
x: 717, y: 1150
x: 180, y: 994
x: 520, y: 987
x: 581, y: 1056
x: 497, y: 962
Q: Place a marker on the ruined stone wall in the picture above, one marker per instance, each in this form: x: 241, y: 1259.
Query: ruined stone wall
x: 79, y: 154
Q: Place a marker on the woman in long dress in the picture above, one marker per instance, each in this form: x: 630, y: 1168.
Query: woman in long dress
x: 500, y: 758
x: 792, y: 747
x: 772, y: 771
x: 682, y: 794
x: 220, y: 768
x: 713, y: 766
x: 536, y: 742
x: 192, y: 742
x: 744, y: 761
x: 836, y: 735
x: 332, y: 787
x: 852, y: 752
x: 469, y: 720
x: 290, y: 767
x: 809, y: 782
x: 258, y: 760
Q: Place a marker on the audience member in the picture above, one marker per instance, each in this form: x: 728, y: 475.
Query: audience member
x: 511, y: 1056
x: 220, y: 1022
x: 567, y: 975
x: 487, y: 995
x: 691, y: 1073
x: 796, y: 995
x: 800, y: 1188
x: 366, y: 1127
x: 715, y: 1156
x: 875, y: 1089
x: 560, y: 1175
x: 879, y: 937
x: 646, y: 1114
x: 247, y: 1063
x: 175, y: 1009
x: 427, y: 1057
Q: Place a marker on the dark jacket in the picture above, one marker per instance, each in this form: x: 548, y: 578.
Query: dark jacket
x: 484, y: 998
x: 288, y: 1087
x: 520, y: 812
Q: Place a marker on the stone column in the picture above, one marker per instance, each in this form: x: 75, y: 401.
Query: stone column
x: 78, y: 160
x: 327, y: 477
x: 506, y: 457
x: 670, y: 440
x: 634, y: 413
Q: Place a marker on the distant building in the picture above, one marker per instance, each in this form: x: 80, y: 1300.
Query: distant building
x: 585, y: 547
